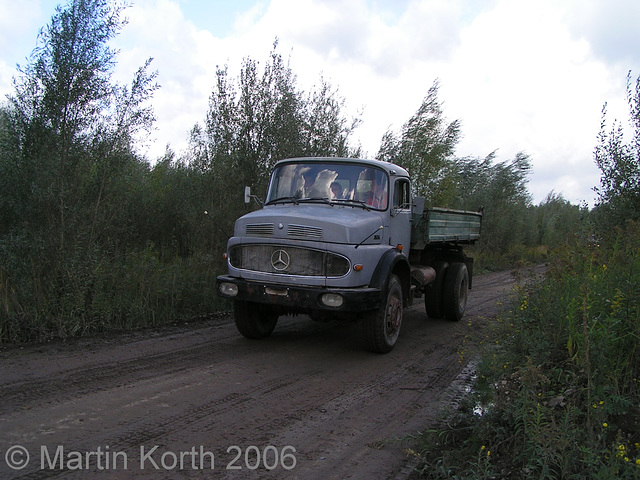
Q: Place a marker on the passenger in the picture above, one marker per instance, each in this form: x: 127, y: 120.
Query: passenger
x: 309, y: 180
x: 336, y: 190
x: 377, y: 194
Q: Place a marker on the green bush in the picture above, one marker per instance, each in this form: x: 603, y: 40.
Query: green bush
x: 557, y: 394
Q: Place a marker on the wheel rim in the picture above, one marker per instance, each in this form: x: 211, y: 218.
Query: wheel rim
x: 462, y: 294
x: 394, y: 316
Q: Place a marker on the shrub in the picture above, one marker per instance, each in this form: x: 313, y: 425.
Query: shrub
x: 557, y: 389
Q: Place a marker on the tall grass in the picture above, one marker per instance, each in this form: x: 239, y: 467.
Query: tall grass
x: 93, y: 293
x: 557, y: 394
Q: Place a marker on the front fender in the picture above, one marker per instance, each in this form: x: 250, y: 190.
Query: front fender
x: 393, y: 261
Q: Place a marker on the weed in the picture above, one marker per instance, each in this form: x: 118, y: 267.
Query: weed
x: 558, y: 384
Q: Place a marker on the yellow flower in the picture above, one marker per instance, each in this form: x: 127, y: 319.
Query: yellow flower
x: 605, y: 424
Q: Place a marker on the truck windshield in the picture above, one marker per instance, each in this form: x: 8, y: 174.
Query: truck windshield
x: 356, y: 184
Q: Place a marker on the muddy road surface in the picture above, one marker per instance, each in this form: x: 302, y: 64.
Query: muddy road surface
x: 200, y: 401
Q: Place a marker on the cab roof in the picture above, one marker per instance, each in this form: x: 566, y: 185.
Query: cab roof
x: 388, y: 167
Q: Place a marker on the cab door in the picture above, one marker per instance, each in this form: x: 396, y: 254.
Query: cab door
x: 400, y: 214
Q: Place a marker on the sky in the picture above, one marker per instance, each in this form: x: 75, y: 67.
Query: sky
x: 526, y: 76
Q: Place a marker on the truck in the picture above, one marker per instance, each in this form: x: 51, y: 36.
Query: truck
x: 345, y: 239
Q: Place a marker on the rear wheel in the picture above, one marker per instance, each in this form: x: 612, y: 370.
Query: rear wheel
x: 456, y: 287
x: 254, y: 320
x: 382, y: 329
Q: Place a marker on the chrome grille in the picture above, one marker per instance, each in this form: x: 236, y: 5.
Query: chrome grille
x: 260, y: 229
x: 288, y: 260
x: 304, y: 231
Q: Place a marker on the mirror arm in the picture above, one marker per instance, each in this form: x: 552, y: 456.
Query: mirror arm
x: 248, y: 197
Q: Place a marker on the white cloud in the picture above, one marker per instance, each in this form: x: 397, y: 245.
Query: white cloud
x: 181, y: 53
x: 15, y: 18
x: 20, y: 23
x: 611, y: 27
x: 520, y: 82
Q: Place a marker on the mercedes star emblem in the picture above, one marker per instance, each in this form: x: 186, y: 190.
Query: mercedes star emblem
x: 280, y: 260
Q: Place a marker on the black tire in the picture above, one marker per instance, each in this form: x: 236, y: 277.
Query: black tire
x: 254, y: 320
x: 456, y: 288
x: 433, y: 295
x: 381, y: 330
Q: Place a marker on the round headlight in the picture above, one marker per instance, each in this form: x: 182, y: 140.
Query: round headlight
x: 228, y: 289
x: 334, y: 300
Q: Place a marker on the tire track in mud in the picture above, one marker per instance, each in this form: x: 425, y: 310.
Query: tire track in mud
x: 71, y: 383
x: 163, y: 430
x: 375, y: 434
x: 316, y: 429
x: 240, y: 402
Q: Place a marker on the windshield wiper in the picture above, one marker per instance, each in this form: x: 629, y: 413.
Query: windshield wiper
x: 359, y: 203
x: 283, y: 200
x: 316, y: 199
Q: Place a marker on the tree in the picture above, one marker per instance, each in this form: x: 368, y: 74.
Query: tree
x: 425, y: 148
x: 501, y: 190
x: 325, y: 130
x: 557, y: 220
x: 261, y: 118
x: 71, y: 174
x: 13, y: 195
x: 71, y: 122
x: 619, y: 162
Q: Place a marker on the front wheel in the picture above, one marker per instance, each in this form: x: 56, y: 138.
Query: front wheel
x: 254, y: 320
x: 382, y: 329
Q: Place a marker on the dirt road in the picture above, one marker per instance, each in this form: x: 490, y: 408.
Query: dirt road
x: 306, y: 403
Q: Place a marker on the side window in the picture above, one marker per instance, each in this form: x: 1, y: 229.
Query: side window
x: 401, y: 196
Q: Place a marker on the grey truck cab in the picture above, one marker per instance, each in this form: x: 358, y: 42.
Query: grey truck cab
x: 342, y: 239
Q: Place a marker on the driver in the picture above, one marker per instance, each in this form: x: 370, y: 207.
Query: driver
x: 377, y: 194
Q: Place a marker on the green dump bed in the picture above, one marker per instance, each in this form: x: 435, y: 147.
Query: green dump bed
x: 442, y: 225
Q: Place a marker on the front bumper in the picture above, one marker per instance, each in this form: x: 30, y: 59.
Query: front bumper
x: 301, y: 298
